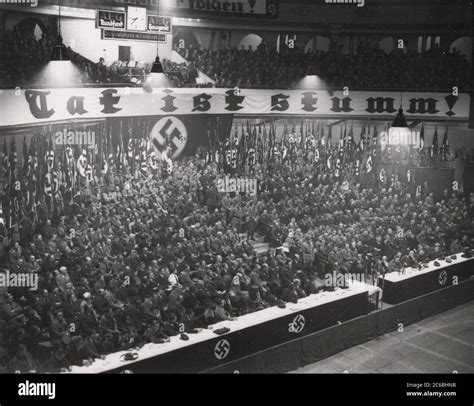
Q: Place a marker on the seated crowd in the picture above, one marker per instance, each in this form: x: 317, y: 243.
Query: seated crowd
x: 370, y: 68
x: 142, y: 260
x: 22, y: 60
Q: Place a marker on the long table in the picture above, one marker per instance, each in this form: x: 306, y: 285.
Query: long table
x: 399, y: 287
x: 248, y: 334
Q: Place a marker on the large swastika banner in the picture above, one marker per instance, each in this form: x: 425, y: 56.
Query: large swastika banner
x: 182, y: 135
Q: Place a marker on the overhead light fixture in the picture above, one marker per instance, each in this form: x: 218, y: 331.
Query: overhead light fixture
x: 157, y: 76
x: 60, y: 52
x: 157, y: 66
x: 311, y: 81
x: 400, y: 120
x: 398, y: 133
x: 311, y: 71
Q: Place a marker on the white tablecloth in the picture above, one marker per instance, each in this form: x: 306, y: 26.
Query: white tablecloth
x: 413, y: 272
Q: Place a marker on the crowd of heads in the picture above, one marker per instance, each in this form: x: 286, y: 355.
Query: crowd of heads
x: 369, y: 68
x: 24, y: 57
x: 139, y: 260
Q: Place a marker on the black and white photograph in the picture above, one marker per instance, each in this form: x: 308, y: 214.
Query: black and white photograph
x: 237, y: 187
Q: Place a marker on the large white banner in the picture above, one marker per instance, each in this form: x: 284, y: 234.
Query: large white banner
x: 19, y: 107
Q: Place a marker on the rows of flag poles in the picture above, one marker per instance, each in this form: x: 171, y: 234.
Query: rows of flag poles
x: 37, y: 185
x: 255, y: 145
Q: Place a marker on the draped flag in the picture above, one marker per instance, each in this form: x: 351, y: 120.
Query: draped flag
x: 329, y: 138
x: 362, y: 139
x: 374, y: 151
x: 82, y: 163
x: 6, y: 166
x: 167, y: 159
x: 383, y: 176
x: 350, y: 142
x: 434, y: 145
x: 445, y: 149
x: 13, y: 158
x: 251, y: 154
x: 51, y: 181
x: 329, y: 150
x: 369, y: 165
x: 25, y: 158
x: 422, y: 137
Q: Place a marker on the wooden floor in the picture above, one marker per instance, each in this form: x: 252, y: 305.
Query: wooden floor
x: 440, y: 344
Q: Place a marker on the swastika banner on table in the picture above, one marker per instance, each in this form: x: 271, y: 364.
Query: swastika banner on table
x: 35, y: 106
